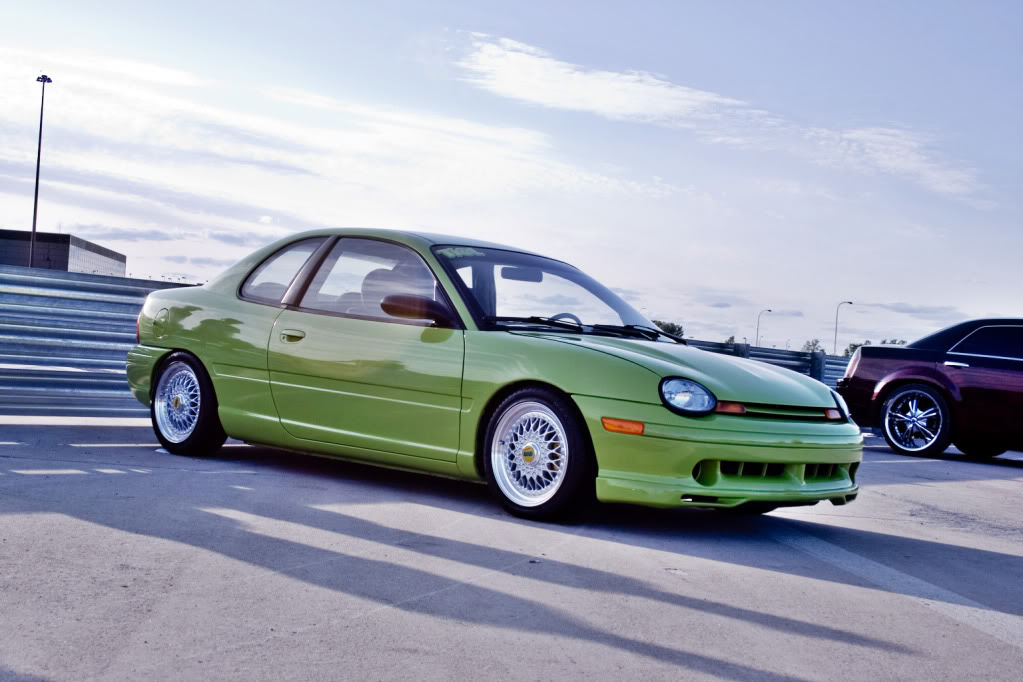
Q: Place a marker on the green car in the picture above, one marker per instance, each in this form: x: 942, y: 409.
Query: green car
x: 474, y: 360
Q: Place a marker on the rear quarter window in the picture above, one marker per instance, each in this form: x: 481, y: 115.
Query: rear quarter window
x: 270, y: 280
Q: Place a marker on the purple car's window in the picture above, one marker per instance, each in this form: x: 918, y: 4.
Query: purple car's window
x: 995, y: 341
x: 269, y: 282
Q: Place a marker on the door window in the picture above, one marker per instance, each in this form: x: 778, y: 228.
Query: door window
x: 1003, y: 342
x: 359, y: 273
x: 269, y: 282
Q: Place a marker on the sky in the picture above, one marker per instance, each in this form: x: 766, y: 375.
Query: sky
x: 705, y: 160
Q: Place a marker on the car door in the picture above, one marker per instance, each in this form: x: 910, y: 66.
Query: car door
x: 987, y: 366
x: 343, y: 371
x: 232, y: 340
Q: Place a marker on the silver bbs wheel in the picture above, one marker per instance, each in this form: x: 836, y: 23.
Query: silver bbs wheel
x: 913, y: 420
x: 529, y: 453
x: 176, y: 403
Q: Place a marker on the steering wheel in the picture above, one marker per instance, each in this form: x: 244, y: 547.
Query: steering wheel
x: 568, y: 315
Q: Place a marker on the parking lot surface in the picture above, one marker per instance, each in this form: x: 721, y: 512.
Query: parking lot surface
x: 119, y: 561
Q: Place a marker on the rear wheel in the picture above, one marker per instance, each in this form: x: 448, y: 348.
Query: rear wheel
x: 184, y: 408
x: 915, y: 420
x: 536, y: 456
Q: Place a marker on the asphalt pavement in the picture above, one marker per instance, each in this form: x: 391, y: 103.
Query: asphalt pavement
x: 119, y: 561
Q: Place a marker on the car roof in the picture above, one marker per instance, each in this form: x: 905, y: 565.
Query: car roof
x: 944, y: 339
x: 421, y: 239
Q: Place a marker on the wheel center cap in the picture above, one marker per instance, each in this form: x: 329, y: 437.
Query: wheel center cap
x: 528, y: 453
x: 176, y: 402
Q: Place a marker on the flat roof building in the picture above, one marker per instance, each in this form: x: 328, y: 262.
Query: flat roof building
x: 65, y: 252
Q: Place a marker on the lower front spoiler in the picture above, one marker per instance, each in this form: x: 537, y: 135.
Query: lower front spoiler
x: 664, y: 495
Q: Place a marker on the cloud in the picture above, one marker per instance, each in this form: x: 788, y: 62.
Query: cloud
x: 132, y: 70
x: 940, y: 314
x: 897, y: 152
x: 516, y: 70
x: 201, y: 261
x: 526, y: 73
x: 719, y: 305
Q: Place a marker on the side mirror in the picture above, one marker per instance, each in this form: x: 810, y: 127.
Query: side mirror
x: 413, y: 307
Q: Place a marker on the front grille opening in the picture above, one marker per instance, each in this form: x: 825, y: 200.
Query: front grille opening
x: 710, y: 472
x: 705, y: 499
x: 824, y: 472
x: 731, y: 468
x: 853, y: 468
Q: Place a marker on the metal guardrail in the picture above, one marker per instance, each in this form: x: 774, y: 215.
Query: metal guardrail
x: 64, y: 337
x: 63, y: 341
x: 827, y: 369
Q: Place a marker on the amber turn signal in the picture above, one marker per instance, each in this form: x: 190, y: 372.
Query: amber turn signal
x: 622, y: 426
x: 730, y: 408
x: 832, y: 413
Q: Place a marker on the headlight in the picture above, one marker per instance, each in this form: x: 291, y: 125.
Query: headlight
x: 842, y: 405
x: 687, y: 397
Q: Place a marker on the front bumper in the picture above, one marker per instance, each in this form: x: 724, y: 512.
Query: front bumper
x: 720, y: 460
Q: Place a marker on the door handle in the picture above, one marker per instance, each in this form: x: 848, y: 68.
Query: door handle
x: 952, y: 363
x: 292, y: 335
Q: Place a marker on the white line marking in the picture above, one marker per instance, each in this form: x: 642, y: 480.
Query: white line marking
x: 30, y: 420
x: 1004, y: 626
x: 242, y: 487
x: 9, y: 442
x: 111, y: 445
x: 110, y: 471
x: 898, y: 461
x: 161, y: 451
x: 140, y: 471
x: 47, y: 472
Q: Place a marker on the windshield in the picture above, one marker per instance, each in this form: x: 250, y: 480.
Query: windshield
x: 509, y: 284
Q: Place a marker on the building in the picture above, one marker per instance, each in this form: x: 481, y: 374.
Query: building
x: 60, y: 252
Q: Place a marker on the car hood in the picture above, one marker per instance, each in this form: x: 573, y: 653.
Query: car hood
x: 729, y: 377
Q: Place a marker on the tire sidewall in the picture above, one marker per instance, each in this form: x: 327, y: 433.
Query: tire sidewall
x: 577, y: 489
x: 208, y: 435
x: 944, y: 438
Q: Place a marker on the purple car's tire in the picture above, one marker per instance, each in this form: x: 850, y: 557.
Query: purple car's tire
x: 184, y: 407
x: 537, y: 458
x: 916, y: 420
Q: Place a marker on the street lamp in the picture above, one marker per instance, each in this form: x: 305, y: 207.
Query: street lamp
x: 835, y: 347
x: 758, y: 323
x: 44, y: 79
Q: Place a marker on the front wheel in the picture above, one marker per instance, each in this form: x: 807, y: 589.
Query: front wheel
x: 184, y: 408
x: 536, y: 456
x: 915, y: 420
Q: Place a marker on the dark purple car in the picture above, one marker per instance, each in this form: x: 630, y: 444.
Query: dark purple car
x: 961, y: 385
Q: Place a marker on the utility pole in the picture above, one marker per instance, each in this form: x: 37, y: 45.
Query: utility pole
x: 768, y: 310
x: 44, y: 79
x: 834, y: 349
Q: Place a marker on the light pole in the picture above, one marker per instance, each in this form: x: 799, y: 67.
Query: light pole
x: 835, y: 347
x: 44, y: 79
x: 768, y: 310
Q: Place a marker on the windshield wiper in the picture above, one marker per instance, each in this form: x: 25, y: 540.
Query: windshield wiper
x: 535, y: 319
x: 639, y: 330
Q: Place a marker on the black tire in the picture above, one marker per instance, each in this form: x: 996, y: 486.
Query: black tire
x: 942, y: 432
x: 575, y: 492
x: 980, y: 449
x: 206, y: 435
